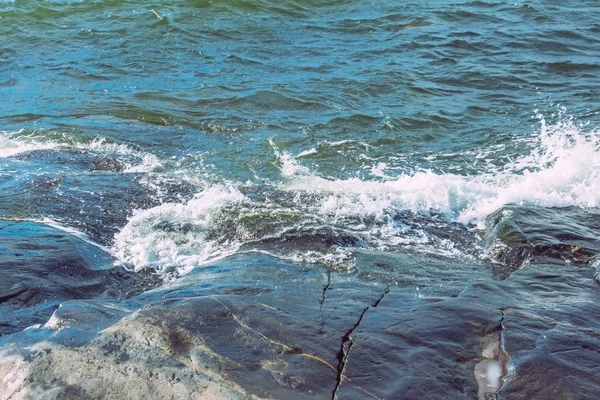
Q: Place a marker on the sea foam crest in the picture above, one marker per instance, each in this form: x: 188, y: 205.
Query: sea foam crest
x: 17, y: 142
x: 13, y: 143
x: 561, y: 168
x: 175, y: 235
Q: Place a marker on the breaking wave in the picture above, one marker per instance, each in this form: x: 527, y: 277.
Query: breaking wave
x: 311, y: 218
x: 561, y: 169
x: 19, y: 142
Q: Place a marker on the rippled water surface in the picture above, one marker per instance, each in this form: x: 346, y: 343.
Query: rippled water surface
x: 171, y: 136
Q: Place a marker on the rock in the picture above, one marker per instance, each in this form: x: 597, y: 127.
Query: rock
x: 85, y: 160
x: 252, y: 326
x: 42, y: 267
x: 259, y: 327
x: 519, y: 235
x: 554, y: 345
x: 129, y: 362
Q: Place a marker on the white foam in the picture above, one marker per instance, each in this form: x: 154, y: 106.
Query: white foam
x: 560, y: 166
x: 142, y: 243
x: 17, y: 142
x: 13, y: 143
x: 54, y: 322
x: 307, y: 153
x: 562, y: 169
x: 379, y: 170
x: 147, y: 162
x: 340, y: 143
x: 288, y: 164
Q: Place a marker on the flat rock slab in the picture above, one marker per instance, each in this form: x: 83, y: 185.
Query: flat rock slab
x: 256, y: 327
x: 553, y: 335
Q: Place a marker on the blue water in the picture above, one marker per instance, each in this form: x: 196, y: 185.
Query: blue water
x: 217, y: 79
x: 173, y: 135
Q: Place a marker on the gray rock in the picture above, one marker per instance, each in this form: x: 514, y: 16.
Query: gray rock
x: 42, y: 267
x: 255, y: 327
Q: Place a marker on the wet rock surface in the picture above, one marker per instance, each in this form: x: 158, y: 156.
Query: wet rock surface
x: 519, y: 235
x: 255, y: 327
x: 84, y: 189
x: 554, y: 340
x: 42, y: 267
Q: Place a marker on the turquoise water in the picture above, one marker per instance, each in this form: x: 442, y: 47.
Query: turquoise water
x: 173, y: 135
x: 355, y: 113
x: 217, y: 79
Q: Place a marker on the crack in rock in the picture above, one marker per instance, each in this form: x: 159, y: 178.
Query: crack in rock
x: 323, y: 300
x: 348, y: 342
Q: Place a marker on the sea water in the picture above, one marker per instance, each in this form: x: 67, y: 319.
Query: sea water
x: 173, y: 136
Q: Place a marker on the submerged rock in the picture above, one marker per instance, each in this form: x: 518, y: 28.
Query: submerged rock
x: 42, y: 267
x: 77, y: 158
x: 519, y: 235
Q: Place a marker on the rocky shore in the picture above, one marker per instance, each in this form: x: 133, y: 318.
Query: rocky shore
x: 250, y: 326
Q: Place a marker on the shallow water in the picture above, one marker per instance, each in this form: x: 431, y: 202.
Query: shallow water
x: 430, y: 149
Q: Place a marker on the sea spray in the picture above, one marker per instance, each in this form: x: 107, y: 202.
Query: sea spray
x: 18, y: 143
x: 560, y: 169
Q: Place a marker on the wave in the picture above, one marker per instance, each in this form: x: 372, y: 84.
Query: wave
x: 16, y: 143
x: 310, y: 218
x: 178, y: 235
x: 562, y: 168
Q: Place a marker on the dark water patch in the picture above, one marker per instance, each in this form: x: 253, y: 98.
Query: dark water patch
x: 10, y: 82
x: 79, y: 74
x: 463, y: 15
x: 570, y: 68
x: 145, y: 115
x: 79, y: 159
x: 25, y: 117
x: 554, y: 47
x: 572, y: 35
x: 274, y: 100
